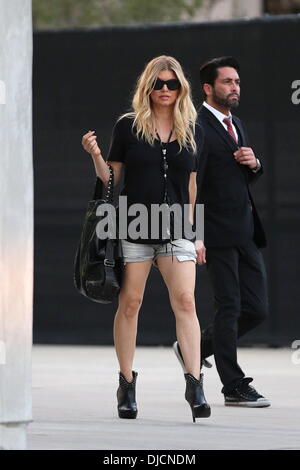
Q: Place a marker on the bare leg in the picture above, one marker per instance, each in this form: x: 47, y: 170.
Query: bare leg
x: 126, y: 318
x: 179, y: 277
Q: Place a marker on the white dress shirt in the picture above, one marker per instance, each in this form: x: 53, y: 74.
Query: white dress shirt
x: 220, y: 116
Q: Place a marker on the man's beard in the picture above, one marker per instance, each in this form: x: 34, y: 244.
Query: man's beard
x: 227, y: 102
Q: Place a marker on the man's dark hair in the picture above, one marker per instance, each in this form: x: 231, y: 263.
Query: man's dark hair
x: 209, y: 70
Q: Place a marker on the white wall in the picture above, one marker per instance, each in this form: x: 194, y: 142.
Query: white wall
x: 16, y: 222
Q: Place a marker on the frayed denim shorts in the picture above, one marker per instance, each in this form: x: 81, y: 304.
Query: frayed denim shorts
x: 184, y: 250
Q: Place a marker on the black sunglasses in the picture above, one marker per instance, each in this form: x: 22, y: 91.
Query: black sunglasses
x: 173, y: 84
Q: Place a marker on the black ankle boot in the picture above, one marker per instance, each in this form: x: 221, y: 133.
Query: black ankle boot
x: 194, y: 394
x: 126, y: 397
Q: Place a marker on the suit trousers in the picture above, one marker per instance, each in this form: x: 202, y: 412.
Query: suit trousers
x: 239, y: 282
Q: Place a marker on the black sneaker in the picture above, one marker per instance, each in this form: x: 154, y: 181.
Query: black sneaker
x: 246, y: 395
x: 204, y: 362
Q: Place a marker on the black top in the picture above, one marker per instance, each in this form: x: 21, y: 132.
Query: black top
x: 144, y: 176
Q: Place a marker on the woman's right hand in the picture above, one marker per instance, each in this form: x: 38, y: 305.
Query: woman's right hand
x: 90, y: 144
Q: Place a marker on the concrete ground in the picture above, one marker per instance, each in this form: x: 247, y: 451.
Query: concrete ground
x: 74, y: 403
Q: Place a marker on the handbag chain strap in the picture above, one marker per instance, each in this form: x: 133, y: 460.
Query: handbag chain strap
x: 109, y: 191
x: 110, y: 187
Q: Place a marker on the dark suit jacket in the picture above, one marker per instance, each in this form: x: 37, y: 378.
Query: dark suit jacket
x: 230, y: 216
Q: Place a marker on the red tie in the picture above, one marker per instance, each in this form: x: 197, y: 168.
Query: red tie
x: 230, y: 128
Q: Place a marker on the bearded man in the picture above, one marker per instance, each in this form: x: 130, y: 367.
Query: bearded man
x: 233, y: 233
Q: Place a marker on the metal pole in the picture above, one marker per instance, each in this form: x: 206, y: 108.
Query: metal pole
x: 16, y: 222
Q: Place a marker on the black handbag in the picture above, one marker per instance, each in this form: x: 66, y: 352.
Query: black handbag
x: 98, y: 264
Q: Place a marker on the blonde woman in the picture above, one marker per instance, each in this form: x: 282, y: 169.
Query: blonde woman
x: 158, y: 145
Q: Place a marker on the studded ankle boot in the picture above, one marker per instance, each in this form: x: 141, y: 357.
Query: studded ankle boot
x: 194, y: 395
x: 127, y: 407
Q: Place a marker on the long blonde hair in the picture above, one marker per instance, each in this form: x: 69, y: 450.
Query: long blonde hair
x: 184, y: 111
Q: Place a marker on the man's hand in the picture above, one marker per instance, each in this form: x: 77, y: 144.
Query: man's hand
x: 245, y: 156
x: 201, y: 252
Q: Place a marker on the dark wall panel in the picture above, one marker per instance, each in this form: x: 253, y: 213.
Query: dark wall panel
x: 83, y: 80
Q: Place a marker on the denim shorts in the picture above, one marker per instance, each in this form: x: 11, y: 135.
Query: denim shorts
x: 184, y: 250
